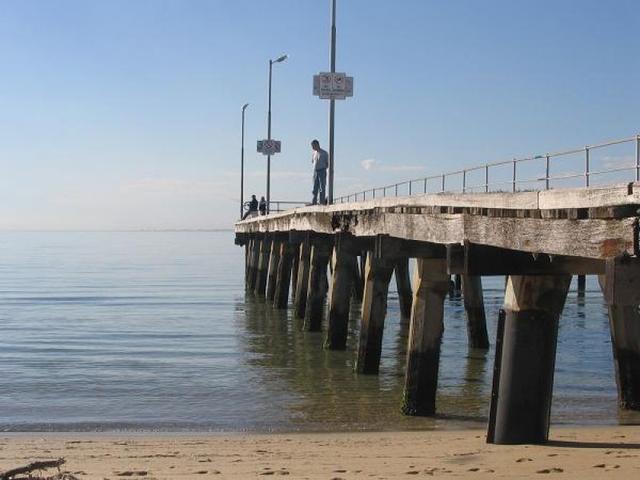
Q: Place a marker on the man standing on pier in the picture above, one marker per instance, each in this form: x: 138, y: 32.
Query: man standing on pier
x: 320, y: 161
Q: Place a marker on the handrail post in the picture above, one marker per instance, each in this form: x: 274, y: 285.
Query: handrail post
x: 425, y: 185
x: 464, y: 181
x: 443, y: 182
x: 410, y: 181
x: 396, y: 189
x: 514, y: 176
x: 547, y: 170
x: 586, y: 166
x: 486, y: 178
x: 637, y: 158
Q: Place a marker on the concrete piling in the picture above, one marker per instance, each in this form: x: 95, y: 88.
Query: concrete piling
x: 532, y: 305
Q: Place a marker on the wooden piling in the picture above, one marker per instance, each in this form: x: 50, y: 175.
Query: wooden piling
x: 317, y: 289
x: 344, y: 276
x: 247, y: 251
x: 263, y: 266
x: 302, y: 282
x: 283, y: 276
x: 458, y: 283
x: 624, y: 322
x: 254, y: 255
x: 357, y: 286
x: 294, y: 270
x: 582, y: 284
x: 431, y: 285
x: 377, y: 275
x: 474, y: 308
x: 403, y: 285
x: 274, y: 260
x: 522, y: 405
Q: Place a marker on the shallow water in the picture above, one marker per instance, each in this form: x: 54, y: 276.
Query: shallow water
x: 154, y: 331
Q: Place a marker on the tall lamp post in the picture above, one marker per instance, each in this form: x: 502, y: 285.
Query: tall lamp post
x: 271, y: 62
x: 244, y: 107
x: 332, y: 103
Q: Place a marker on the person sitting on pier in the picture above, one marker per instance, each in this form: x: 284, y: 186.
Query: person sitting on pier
x: 253, y: 208
x: 263, y: 206
x: 320, y: 161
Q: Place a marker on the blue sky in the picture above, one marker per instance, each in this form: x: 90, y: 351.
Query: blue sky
x: 126, y: 114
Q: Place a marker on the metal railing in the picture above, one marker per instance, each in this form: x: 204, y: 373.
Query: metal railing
x: 445, y: 184
x: 281, y: 206
x: 275, y: 206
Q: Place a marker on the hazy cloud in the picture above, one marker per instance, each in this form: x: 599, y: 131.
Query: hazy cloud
x: 371, y: 164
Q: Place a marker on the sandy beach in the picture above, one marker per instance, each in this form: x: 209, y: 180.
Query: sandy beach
x: 608, y: 452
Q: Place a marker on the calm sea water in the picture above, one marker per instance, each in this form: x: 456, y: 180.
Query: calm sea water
x: 154, y: 331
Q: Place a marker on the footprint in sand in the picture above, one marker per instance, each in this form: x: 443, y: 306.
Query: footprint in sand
x: 523, y: 459
x: 131, y: 473
x: 551, y: 470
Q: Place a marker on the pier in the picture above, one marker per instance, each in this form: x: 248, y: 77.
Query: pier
x: 537, y: 240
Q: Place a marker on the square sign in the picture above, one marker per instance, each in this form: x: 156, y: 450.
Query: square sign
x: 268, y: 147
x: 333, y: 86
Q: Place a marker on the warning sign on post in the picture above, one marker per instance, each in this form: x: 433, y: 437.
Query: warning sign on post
x: 332, y: 86
x: 268, y: 147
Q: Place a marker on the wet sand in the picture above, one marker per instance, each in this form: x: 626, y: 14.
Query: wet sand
x: 609, y: 452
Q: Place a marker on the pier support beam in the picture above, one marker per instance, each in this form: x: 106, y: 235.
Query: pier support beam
x: 247, y: 257
x: 403, y: 285
x: 294, y: 270
x: 302, y: 281
x: 317, y: 289
x: 521, y: 406
x: 263, y: 266
x: 283, y: 275
x: 357, y: 284
x: 474, y: 308
x: 457, y: 280
x: 620, y: 286
x: 274, y: 260
x: 345, y: 273
x: 254, y: 256
x: 431, y: 285
x: 377, y: 275
x: 582, y: 285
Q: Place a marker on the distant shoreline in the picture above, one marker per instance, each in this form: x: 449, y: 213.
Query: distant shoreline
x: 142, y: 230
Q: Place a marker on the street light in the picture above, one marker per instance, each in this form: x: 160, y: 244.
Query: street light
x: 271, y: 62
x: 244, y: 107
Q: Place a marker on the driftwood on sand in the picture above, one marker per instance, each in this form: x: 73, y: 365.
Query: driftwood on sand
x: 37, y: 466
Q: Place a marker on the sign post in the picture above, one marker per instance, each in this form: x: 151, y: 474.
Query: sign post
x: 332, y: 86
x: 268, y: 147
